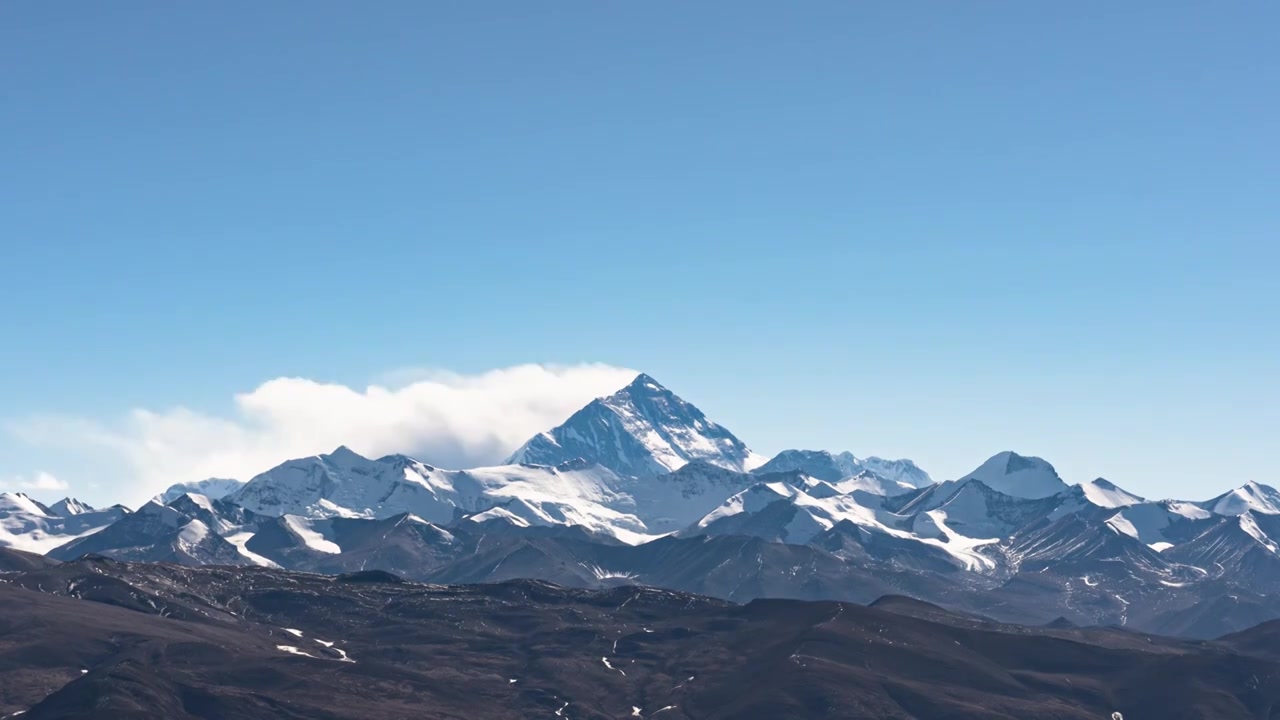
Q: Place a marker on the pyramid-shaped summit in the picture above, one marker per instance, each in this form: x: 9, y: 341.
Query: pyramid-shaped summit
x: 643, y: 429
x: 1018, y: 475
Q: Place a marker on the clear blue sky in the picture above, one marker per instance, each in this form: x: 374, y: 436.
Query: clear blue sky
x: 935, y: 229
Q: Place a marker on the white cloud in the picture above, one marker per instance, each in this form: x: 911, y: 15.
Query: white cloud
x: 447, y: 419
x: 43, y: 481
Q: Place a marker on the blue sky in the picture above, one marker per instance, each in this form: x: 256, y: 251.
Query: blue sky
x: 934, y: 230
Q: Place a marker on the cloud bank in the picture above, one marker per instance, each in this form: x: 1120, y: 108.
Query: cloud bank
x: 447, y: 419
x: 42, y: 482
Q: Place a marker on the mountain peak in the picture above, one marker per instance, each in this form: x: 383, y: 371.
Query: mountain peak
x: 641, y: 391
x: 642, y: 429
x: 901, y: 470
x: 1104, y: 493
x: 342, y: 453
x: 818, y: 464
x: 830, y: 467
x: 19, y: 502
x: 646, y: 382
x: 68, y: 506
x: 1017, y: 475
x: 1251, y: 496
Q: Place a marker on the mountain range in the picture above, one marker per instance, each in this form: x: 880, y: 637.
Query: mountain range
x: 640, y: 487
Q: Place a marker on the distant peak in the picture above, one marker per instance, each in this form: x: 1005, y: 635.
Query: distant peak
x: 1011, y: 462
x: 21, y: 502
x: 807, y: 453
x: 401, y: 460
x: 69, y: 506
x: 641, y: 430
x: 1104, y: 493
x: 1018, y: 475
x: 344, y: 453
x: 646, y: 384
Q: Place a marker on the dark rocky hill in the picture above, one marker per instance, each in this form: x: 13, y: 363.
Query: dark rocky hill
x: 98, y: 638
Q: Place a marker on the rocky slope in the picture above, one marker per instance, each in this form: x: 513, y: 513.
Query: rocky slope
x: 97, y: 638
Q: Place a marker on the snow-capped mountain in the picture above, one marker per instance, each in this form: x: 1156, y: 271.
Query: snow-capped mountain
x: 902, y: 470
x: 212, y: 488
x: 642, y: 430
x: 824, y: 465
x: 800, y: 508
x: 641, y: 487
x: 574, y: 493
x: 817, y: 464
x: 28, y: 525
x: 346, y: 484
x: 1251, y: 497
x: 343, y: 483
x: 1159, y: 524
x: 66, y: 507
x: 1089, y: 552
x: 1104, y: 493
x: 1018, y: 476
x: 156, y: 533
x: 672, y: 501
x: 870, y: 482
x: 21, y: 504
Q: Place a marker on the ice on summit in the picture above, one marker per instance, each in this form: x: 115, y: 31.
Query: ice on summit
x: 1018, y: 476
x: 643, y: 429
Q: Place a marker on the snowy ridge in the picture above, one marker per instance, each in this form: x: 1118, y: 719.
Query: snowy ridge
x: 66, y: 507
x: 797, y: 511
x: 30, y: 526
x: 901, y: 471
x: 345, y: 484
x: 830, y: 467
x: 1104, y: 493
x: 20, y: 503
x: 1149, y: 521
x: 1251, y: 497
x: 873, y: 483
x: 155, y: 532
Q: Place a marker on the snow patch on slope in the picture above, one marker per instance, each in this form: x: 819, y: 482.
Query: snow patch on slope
x: 239, y: 540
x: 305, y: 529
